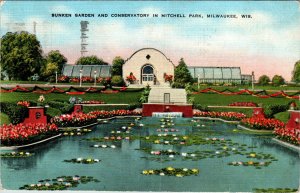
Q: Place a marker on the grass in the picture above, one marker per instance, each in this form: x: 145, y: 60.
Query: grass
x: 283, y: 116
x: 4, y: 119
x: 218, y: 99
x: 249, y: 87
x: 116, y: 98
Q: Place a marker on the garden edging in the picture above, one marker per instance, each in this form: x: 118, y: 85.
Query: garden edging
x: 288, y: 145
x: 29, y: 145
x: 254, y: 130
x: 218, y: 119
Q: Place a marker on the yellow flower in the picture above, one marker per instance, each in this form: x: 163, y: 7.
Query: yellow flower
x: 195, y: 170
x: 147, y: 137
x: 145, y: 172
x: 250, y: 162
x: 179, y: 175
x: 156, y: 141
x: 89, y: 160
x: 252, y: 154
x: 170, y: 168
x: 151, y: 171
x: 185, y: 137
x: 224, y: 147
x: 21, y: 153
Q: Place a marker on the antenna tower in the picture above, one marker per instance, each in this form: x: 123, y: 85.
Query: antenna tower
x: 84, y: 30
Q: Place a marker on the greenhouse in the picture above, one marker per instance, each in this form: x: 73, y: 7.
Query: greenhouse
x: 87, y: 70
x: 217, y: 74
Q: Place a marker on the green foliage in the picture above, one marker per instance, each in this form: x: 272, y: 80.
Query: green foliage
x: 200, y: 107
x: 90, y: 60
x: 4, y: 119
x: 134, y: 106
x: 64, y: 107
x: 52, y: 112
x: 182, y: 75
x: 117, y: 65
x: 50, y: 70
x: 145, y: 95
x: 263, y: 80
x: 296, y: 72
x: 272, y: 109
x: 16, y: 113
x: 54, y: 56
x: 21, y: 55
x: 278, y: 80
x: 117, y: 81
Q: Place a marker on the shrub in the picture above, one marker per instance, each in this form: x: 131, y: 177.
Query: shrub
x: 16, y: 113
x: 117, y: 81
x: 200, y: 107
x: 271, y: 110
x: 61, y: 106
x: 134, y: 106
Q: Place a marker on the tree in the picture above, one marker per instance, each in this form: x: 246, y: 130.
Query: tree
x: 50, y: 70
x: 278, y: 80
x: 296, y: 72
x: 117, y: 65
x: 54, y: 56
x: 90, y: 60
x: 182, y: 75
x: 21, y: 55
x: 264, y: 80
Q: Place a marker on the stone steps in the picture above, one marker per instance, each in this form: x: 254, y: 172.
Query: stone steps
x: 177, y: 96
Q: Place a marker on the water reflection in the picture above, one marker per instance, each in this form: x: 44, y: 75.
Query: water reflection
x: 31, y: 162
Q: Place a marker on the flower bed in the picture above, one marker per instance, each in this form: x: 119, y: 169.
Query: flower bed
x: 83, y: 160
x: 82, y: 119
x: 289, y: 135
x: 243, y: 104
x: 74, y: 119
x: 262, y: 123
x: 170, y: 171
x: 21, y: 134
x: 230, y: 116
x: 59, y: 183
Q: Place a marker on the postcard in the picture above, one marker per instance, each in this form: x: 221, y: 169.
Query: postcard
x: 150, y: 96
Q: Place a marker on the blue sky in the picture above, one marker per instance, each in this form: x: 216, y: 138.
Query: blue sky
x: 265, y: 43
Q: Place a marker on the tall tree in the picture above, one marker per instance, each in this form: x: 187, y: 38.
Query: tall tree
x: 296, y: 72
x: 21, y: 55
x: 263, y: 80
x: 278, y: 80
x: 182, y: 75
x: 117, y: 65
x: 90, y: 60
x: 54, y: 56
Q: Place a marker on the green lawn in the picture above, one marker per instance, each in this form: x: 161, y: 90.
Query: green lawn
x: 218, y: 99
x: 249, y: 87
x: 283, y: 116
x: 117, y: 98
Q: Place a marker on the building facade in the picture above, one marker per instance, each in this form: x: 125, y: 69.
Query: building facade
x: 149, y: 66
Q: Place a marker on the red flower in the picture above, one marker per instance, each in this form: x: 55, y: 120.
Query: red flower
x: 24, y: 103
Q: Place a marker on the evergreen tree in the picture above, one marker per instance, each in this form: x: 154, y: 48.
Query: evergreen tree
x: 117, y: 66
x: 182, y: 75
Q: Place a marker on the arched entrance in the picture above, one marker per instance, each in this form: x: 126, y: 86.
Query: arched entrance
x: 147, y: 74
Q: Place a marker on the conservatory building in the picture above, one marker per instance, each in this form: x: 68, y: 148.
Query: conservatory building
x: 149, y: 66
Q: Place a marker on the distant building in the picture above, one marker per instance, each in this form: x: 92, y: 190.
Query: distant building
x: 149, y: 67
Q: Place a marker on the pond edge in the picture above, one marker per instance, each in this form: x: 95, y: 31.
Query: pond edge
x: 29, y: 145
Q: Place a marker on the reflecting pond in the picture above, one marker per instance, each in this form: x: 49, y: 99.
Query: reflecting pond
x: 228, y: 159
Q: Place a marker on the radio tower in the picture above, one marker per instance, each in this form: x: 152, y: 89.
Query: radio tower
x: 34, y: 28
x: 84, y: 29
